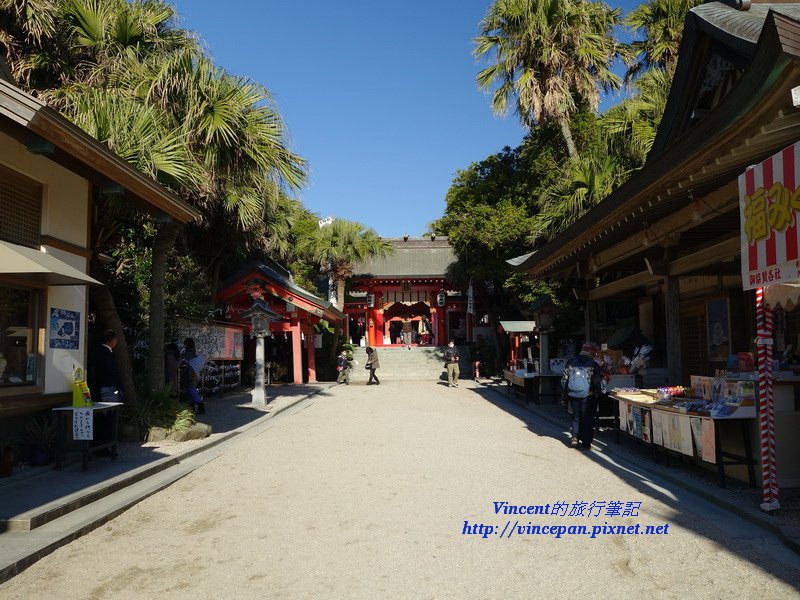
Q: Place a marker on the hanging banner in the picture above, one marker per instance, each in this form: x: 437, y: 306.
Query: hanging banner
x: 769, y: 201
x: 470, y: 299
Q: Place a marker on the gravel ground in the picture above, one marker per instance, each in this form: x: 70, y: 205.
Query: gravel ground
x: 364, y: 494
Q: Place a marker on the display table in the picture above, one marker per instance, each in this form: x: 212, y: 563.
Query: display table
x: 534, y: 386
x: 689, y: 434
x: 64, y: 416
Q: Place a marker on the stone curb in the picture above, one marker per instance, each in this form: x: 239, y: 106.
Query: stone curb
x: 761, y: 520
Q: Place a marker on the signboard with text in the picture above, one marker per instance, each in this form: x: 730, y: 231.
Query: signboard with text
x: 769, y: 201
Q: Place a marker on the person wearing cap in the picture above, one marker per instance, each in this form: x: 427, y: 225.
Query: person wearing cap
x: 581, y: 382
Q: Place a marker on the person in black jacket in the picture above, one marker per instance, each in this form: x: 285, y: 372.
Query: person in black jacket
x: 103, y: 376
x: 451, y: 362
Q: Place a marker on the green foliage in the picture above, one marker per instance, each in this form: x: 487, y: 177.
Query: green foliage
x: 41, y: 430
x: 630, y: 127
x: 661, y: 23
x: 158, y: 409
x: 547, y: 57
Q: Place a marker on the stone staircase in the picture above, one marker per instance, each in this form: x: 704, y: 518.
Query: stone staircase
x: 400, y: 363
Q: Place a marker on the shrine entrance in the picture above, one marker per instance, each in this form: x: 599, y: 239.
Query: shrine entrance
x: 393, y: 315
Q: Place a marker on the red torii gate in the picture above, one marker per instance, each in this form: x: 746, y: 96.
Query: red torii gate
x: 299, y: 309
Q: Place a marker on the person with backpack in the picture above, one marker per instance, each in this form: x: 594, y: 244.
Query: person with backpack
x: 581, y: 384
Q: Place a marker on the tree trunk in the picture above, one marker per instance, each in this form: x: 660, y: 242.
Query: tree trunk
x: 103, y: 302
x: 494, y: 321
x: 340, y: 294
x: 163, y: 247
x: 572, y: 150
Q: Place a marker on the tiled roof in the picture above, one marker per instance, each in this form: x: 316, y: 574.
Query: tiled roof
x: 415, y: 257
x: 719, y: 19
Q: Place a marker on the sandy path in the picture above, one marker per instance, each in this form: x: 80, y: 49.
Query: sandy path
x: 364, y: 494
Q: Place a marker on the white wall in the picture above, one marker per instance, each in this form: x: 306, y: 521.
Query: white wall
x: 65, y: 205
x: 58, y: 361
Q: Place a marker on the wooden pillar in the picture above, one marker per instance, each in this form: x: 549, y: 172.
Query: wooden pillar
x: 311, y: 355
x: 297, y: 351
x: 672, y: 305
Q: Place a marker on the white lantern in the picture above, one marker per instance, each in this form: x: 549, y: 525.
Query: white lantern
x: 441, y: 298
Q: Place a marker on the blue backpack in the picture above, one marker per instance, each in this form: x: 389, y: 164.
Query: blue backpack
x: 579, y: 382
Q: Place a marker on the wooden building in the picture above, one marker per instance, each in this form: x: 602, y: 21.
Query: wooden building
x: 668, y: 242
x: 50, y: 171
x: 413, y: 282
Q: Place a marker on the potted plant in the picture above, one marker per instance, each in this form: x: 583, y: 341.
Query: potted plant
x: 7, y: 456
x: 41, y: 438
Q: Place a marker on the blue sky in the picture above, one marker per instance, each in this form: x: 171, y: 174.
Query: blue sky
x: 379, y: 97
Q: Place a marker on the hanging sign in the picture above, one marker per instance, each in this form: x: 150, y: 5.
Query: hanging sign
x: 769, y: 202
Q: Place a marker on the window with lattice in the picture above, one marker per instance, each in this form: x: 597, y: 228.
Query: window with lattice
x: 20, y: 208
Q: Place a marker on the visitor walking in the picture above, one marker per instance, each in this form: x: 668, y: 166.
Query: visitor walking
x: 581, y: 384
x: 407, y: 331
x: 372, y: 365
x: 343, y: 366
x: 451, y: 362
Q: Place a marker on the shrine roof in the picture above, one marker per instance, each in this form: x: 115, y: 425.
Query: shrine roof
x: 280, y: 277
x: 412, y: 257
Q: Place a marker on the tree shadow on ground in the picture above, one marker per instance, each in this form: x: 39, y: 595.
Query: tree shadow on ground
x: 635, y: 473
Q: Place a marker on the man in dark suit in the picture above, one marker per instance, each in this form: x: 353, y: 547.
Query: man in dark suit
x: 103, y: 375
x: 104, y: 386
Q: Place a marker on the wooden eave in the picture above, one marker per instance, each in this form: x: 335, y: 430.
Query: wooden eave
x: 305, y: 301
x: 753, y: 122
x: 79, y: 152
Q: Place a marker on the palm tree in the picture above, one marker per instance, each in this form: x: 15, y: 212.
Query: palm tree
x: 338, y: 247
x: 631, y: 126
x: 589, y: 180
x: 548, y: 55
x: 146, y: 68
x: 237, y: 138
x: 661, y: 21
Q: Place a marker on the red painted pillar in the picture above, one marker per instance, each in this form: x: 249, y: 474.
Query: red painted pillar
x: 441, y: 333
x: 311, y: 354
x: 297, y: 352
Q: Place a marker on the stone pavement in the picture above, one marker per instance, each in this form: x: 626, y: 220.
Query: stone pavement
x: 41, y: 508
x: 737, y: 497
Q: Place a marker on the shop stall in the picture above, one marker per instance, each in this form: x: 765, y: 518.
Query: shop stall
x: 523, y: 374
x: 711, y: 421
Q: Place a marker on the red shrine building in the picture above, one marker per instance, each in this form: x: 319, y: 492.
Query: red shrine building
x: 291, y: 339
x: 412, y: 282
